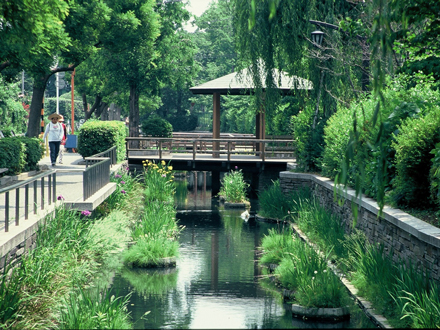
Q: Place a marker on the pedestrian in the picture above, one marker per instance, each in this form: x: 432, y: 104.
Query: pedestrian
x: 63, y: 141
x: 54, y: 132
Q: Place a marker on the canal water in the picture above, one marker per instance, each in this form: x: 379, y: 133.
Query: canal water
x: 217, y: 283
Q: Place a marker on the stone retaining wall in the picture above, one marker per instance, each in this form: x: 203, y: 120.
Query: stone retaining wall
x: 409, y: 238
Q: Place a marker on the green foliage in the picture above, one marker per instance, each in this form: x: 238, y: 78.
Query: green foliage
x: 233, y: 187
x: 413, y: 145
x: 150, y: 250
x: 365, y: 157
x: 273, y: 203
x: 12, y: 155
x: 12, y: 113
x: 309, y: 142
x: 276, y: 246
x: 323, y: 227
x: 97, y: 136
x: 157, y: 127
x: 10, y: 295
x: 183, y: 123
x: 34, y: 152
x: 93, y: 309
x: 302, y: 270
x: 434, y: 175
x: 159, y: 184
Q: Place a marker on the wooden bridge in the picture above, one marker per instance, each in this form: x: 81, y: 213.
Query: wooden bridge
x: 198, y: 152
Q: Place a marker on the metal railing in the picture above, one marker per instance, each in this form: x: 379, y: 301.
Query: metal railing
x: 25, y: 185
x: 109, y: 153
x: 97, y: 172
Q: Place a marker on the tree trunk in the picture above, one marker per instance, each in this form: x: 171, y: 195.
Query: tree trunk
x: 34, y: 127
x: 133, y: 127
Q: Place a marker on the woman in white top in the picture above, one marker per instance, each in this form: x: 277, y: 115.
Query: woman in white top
x: 54, y: 131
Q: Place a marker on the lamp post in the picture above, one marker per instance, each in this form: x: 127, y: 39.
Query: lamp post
x: 317, y: 37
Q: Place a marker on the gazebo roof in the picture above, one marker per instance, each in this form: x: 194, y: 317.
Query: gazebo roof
x: 240, y: 83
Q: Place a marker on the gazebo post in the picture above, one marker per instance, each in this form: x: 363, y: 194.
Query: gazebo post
x: 260, y: 128
x: 216, y: 125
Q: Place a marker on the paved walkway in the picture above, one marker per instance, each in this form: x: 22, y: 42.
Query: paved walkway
x: 69, y: 184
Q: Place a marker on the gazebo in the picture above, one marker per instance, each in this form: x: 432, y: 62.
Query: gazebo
x: 240, y: 83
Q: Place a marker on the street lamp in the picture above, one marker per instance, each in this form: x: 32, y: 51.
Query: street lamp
x: 317, y: 37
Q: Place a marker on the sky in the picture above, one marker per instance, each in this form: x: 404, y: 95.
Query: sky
x: 196, y: 7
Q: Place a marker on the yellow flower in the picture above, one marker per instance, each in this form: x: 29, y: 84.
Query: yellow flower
x: 170, y: 168
x: 163, y: 163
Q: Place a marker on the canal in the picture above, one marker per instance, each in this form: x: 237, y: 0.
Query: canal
x: 217, y: 283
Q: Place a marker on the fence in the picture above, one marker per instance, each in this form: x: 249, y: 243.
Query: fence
x: 25, y: 185
x: 97, y: 172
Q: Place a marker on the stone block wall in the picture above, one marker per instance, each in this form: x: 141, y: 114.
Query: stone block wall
x: 407, y: 237
x: 13, y: 256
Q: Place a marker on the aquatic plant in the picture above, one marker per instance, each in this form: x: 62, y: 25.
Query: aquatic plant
x: 303, y: 271
x: 159, y: 185
x: 275, y: 204
x: 150, y: 250
x: 276, y: 246
x: 94, y: 309
x: 233, y: 187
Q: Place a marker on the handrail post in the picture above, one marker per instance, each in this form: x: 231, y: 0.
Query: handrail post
x: 263, y: 155
x: 54, y: 187
x: 194, y: 149
x: 42, y: 193
x: 26, y: 201
x: 17, y: 206
x: 160, y: 149
x: 7, y: 211
x: 49, y: 189
x: 35, y: 197
x: 229, y: 151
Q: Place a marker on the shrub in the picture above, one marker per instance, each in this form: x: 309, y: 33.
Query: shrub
x: 157, y: 127
x: 184, y: 123
x: 308, y: 142
x: 34, y: 152
x: 97, y: 136
x: 401, y: 103
x: 434, y: 175
x: 413, y: 145
x: 12, y: 155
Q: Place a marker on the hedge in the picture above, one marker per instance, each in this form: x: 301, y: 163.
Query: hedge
x: 12, y: 155
x: 96, y: 136
x: 414, y: 145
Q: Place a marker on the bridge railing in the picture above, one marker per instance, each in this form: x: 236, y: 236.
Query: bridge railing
x: 229, y: 146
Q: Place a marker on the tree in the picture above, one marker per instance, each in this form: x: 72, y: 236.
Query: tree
x: 29, y: 28
x: 83, y: 25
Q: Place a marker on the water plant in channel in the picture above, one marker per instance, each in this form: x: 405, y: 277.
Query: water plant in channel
x: 94, y: 309
x: 403, y: 293
x: 233, y: 188
x: 158, y: 180
x: 398, y: 290
x: 275, y: 204
x: 154, y: 234
x: 301, y: 270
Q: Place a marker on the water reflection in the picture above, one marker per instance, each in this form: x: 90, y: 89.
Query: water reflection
x: 216, y: 284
